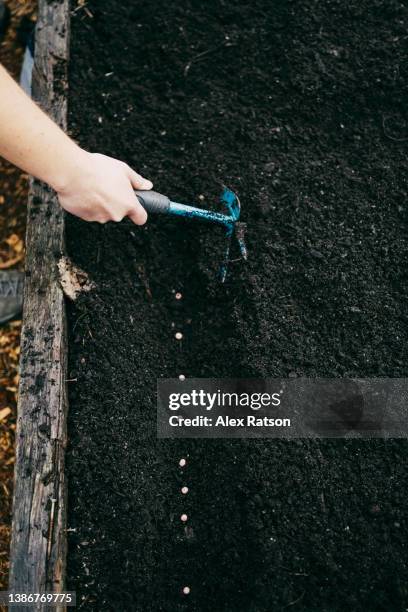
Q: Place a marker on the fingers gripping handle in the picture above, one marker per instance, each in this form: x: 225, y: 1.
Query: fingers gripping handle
x: 153, y: 202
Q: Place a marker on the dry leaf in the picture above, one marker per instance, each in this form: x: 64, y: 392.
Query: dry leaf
x: 4, y: 413
x: 7, y: 264
x: 15, y: 243
x: 12, y: 240
x: 74, y: 281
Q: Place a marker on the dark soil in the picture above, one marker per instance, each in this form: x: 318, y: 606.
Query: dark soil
x: 301, y: 108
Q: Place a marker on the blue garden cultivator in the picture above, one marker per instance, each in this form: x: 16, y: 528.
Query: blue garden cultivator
x: 158, y: 203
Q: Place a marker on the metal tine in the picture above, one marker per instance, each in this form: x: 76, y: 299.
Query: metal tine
x: 224, y: 266
x: 232, y: 203
x: 239, y: 233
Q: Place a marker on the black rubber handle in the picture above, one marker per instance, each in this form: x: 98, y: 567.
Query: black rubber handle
x: 153, y: 202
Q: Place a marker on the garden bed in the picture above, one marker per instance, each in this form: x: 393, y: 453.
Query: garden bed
x: 299, y: 108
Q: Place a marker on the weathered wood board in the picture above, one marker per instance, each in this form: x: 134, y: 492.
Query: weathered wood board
x: 38, y: 547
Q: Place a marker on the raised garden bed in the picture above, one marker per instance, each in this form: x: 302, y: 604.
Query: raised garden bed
x: 300, y: 108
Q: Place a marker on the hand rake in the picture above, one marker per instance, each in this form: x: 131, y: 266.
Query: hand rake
x: 158, y: 203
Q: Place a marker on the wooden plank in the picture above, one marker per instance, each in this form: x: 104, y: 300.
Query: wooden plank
x: 38, y: 546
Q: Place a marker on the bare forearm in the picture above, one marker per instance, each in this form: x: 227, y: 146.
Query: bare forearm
x: 31, y: 140
x: 92, y: 186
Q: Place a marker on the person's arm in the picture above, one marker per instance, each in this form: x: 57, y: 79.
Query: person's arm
x: 92, y: 186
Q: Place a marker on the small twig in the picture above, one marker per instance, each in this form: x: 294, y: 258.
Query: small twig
x: 84, y: 602
x: 293, y: 573
x: 145, y: 281
x: 292, y: 603
x: 323, y: 502
x: 81, y: 5
x: 78, y: 320
x: 119, y: 493
x: 200, y: 56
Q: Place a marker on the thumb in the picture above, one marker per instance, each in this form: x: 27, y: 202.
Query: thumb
x: 138, y: 215
x: 138, y: 182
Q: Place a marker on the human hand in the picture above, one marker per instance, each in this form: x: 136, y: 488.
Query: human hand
x: 100, y: 188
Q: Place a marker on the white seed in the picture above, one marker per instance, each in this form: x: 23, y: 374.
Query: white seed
x: 201, y: 197
x: 186, y: 590
x: 178, y: 335
x: 184, y: 490
x: 182, y: 462
x: 178, y: 295
x: 182, y: 377
x: 184, y: 518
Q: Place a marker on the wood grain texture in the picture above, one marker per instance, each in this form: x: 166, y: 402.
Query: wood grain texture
x: 38, y: 547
